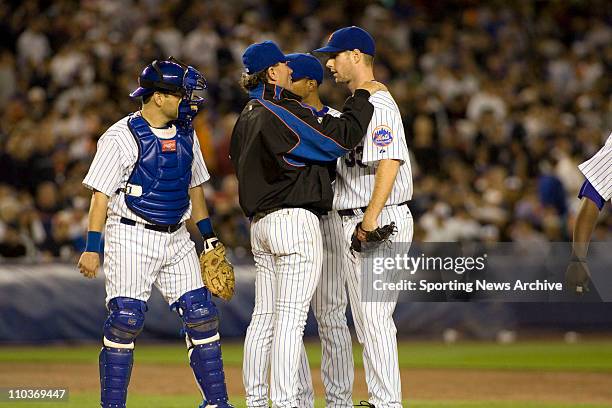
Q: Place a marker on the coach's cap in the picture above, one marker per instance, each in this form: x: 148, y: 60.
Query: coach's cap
x: 305, y: 66
x: 260, y: 56
x: 349, y: 38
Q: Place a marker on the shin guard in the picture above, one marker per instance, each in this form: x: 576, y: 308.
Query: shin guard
x: 207, y: 366
x: 115, y: 369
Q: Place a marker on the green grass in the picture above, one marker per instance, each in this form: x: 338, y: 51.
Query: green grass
x: 533, y: 355
x: 180, y: 401
x: 586, y: 356
x: 593, y: 356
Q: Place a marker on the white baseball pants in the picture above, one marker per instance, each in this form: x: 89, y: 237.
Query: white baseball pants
x: 287, y: 248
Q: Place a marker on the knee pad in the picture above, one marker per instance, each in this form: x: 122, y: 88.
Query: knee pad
x: 199, y: 315
x: 124, y: 323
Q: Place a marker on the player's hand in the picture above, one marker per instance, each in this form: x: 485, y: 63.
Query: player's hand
x: 89, y: 264
x: 365, y: 240
x: 366, y: 225
x: 372, y: 87
x: 578, y: 276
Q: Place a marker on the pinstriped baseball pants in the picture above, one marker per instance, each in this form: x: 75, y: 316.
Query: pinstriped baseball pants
x: 136, y: 258
x: 287, y: 248
x: 373, y: 318
x: 329, y: 305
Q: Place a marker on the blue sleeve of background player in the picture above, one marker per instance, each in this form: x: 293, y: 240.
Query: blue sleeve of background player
x: 587, y: 190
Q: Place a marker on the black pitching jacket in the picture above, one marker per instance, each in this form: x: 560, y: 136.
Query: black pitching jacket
x: 281, y: 152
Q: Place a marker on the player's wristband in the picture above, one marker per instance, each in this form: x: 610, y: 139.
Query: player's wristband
x: 206, y: 229
x: 93, y: 241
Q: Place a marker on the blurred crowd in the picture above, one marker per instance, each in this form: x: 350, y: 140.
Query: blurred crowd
x: 500, y: 103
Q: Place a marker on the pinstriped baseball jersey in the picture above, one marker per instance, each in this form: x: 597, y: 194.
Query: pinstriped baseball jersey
x: 115, y: 159
x: 384, y: 139
x: 598, y: 170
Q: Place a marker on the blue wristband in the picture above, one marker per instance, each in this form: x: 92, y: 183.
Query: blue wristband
x: 205, y: 227
x: 93, y: 241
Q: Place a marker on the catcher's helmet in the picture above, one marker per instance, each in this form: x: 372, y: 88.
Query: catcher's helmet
x: 163, y: 76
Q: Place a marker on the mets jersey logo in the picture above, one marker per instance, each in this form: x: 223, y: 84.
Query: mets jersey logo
x: 382, y: 136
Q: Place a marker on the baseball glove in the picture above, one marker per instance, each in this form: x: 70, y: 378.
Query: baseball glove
x: 377, y: 236
x: 217, y: 271
x: 577, y: 276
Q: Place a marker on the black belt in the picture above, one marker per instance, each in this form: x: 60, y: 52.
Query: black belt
x: 160, y: 228
x: 353, y: 211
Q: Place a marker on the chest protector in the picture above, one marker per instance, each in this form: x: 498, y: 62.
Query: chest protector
x: 158, y: 188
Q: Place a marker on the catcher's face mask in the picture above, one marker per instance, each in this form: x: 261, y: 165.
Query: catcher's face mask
x: 194, y: 85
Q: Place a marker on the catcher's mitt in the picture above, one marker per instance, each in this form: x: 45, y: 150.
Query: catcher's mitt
x: 217, y: 271
x: 380, y: 234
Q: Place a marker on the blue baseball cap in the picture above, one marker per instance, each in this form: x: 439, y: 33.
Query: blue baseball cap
x: 260, y: 56
x: 347, y: 39
x: 305, y: 66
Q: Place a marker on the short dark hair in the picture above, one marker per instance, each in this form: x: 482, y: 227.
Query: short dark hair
x: 249, y: 82
x: 147, y: 98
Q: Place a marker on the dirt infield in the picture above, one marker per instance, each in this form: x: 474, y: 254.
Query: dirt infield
x: 423, y: 384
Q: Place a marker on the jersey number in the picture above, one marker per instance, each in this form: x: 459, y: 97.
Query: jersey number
x: 354, y: 157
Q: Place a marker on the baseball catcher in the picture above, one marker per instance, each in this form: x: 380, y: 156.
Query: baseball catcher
x: 147, y: 178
